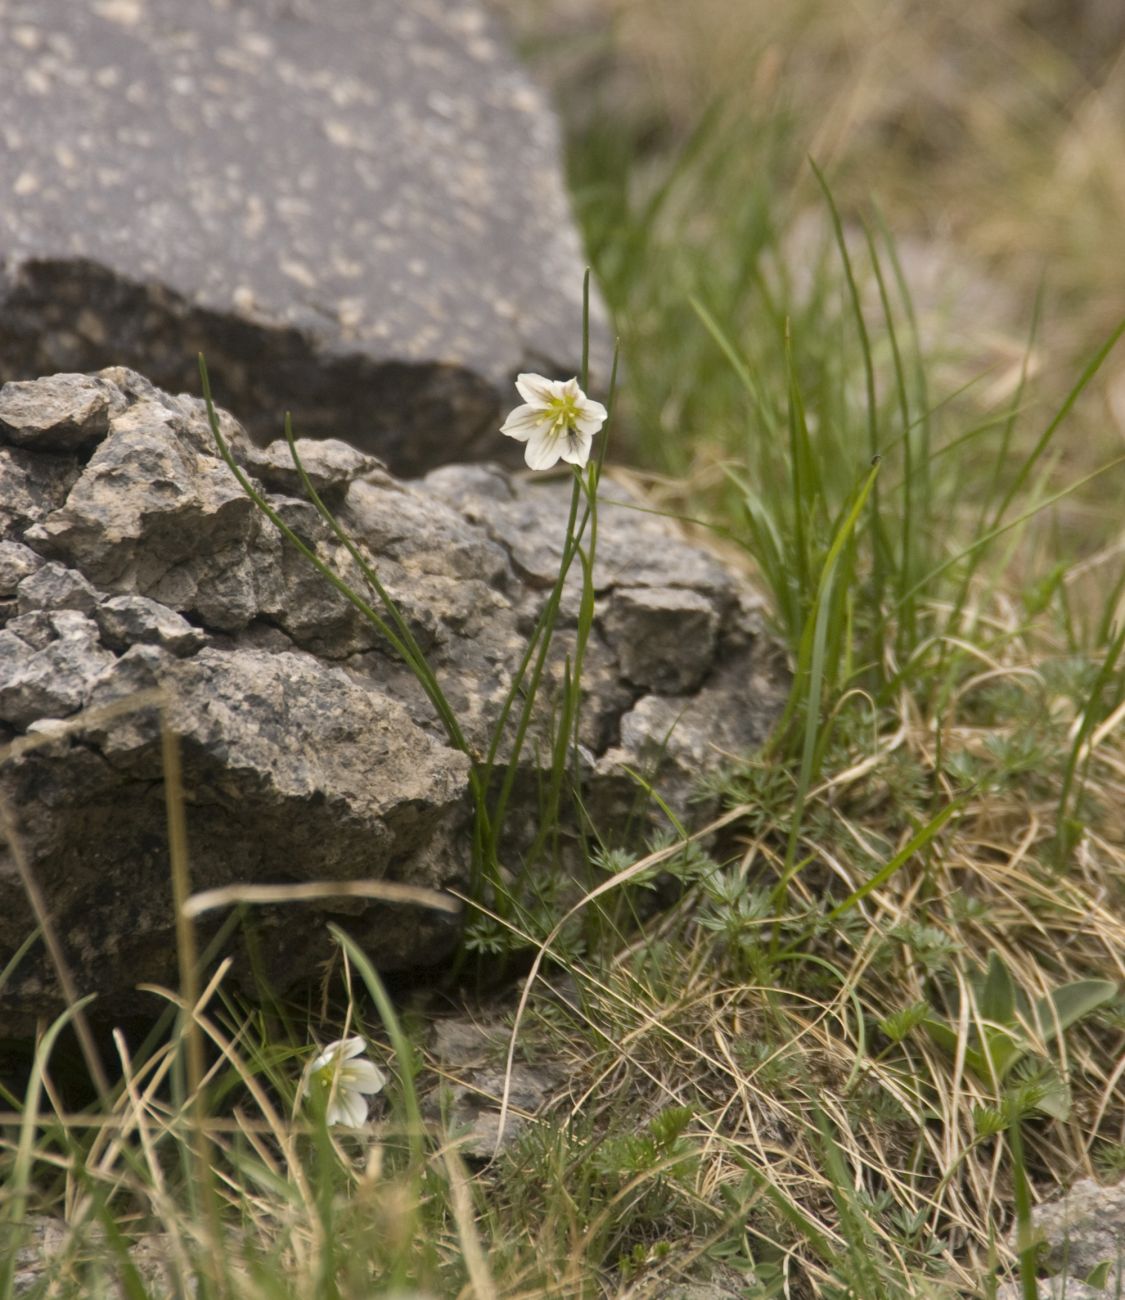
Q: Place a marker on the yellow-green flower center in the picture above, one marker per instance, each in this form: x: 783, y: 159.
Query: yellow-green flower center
x: 561, y: 415
x: 324, y: 1077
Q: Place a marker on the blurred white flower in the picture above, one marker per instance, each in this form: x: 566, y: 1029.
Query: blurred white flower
x: 343, y: 1082
x: 556, y: 421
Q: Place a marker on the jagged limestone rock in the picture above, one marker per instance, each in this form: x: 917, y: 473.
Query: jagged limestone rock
x: 137, y: 569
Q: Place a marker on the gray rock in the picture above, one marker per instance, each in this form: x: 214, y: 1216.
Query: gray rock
x: 329, y: 465
x: 727, y: 1284
x: 136, y: 620
x: 310, y: 750
x: 356, y: 211
x: 471, y: 1057
x: 635, y: 548
x: 151, y: 514
x: 54, y: 586
x: 49, y: 1245
x: 459, y: 1043
x: 473, y: 1113
x: 291, y: 772
x: 664, y: 637
x: 42, y: 1239
x: 16, y: 563
x: 1056, y: 1288
x: 1081, y: 1230
x: 61, y: 413
x: 31, y: 484
x: 49, y: 664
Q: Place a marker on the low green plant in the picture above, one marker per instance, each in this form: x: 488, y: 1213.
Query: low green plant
x: 1006, y: 1027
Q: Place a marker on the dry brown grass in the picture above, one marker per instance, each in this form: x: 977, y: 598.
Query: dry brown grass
x: 764, y: 1065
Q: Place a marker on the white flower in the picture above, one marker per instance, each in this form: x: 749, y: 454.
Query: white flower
x: 556, y: 420
x: 342, y: 1081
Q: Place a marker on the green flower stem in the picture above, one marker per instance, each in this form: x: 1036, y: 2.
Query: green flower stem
x: 809, y: 679
x: 541, y: 639
x: 416, y: 657
x: 572, y: 695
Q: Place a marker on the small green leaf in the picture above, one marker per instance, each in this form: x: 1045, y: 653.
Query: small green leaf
x: 942, y: 1035
x: 1002, y: 1049
x: 1062, y: 1007
x: 1098, y: 1278
x: 899, y: 1024
x: 988, y: 1121
x: 1055, y: 1103
x: 1068, y: 837
x: 998, y: 995
x: 948, y: 1040
x: 1038, y: 1086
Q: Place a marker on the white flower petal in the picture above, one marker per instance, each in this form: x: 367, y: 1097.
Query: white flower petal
x: 523, y: 422
x: 335, y: 1114
x: 363, y: 1076
x: 576, y: 448
x: 347, y: 1108
x: 343, y: 1049
x: 536, y: 390
x: 591, y: 416
x: 543, y: 452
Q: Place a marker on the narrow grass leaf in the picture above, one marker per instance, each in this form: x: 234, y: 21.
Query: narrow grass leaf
x: 19, y: 1184
x: 403, y: 1050
x: 916, y: 844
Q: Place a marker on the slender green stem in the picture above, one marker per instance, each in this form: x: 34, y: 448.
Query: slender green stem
x: 402, y: 647
x: 544, y: 630
x: 415, y: 656
x: 571, y: 707
x: 907, y: 633
x: 1025, y: 1242
x: 878, y: 546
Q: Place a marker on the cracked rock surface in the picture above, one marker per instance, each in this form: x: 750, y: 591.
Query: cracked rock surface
x: 1079, y: 1232
x: 469, y: 1057
x: 133, y: 568
x: 356, y: 210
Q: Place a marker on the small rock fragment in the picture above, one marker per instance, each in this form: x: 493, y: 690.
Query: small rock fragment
x: 16, y: 563
x: 664, y: 636
x: 51, y: 674
x: 473, y: 1111
x: 1081, y: 1230
x: 136, y: 620
x: 54, y: 586
x: 61, y: 413
x: 31, y: 485
x: 329, y: 463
